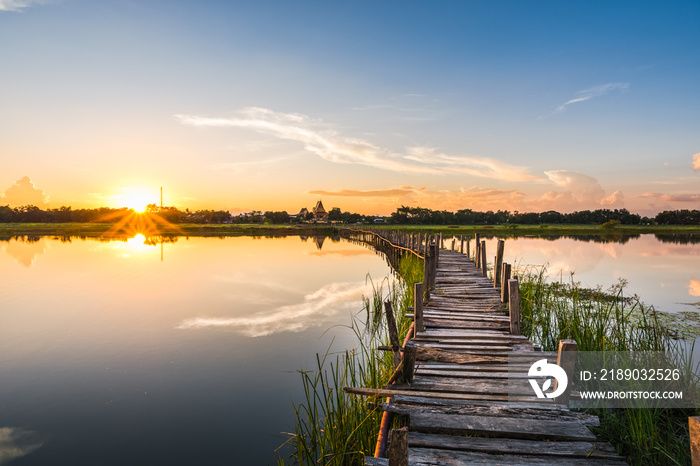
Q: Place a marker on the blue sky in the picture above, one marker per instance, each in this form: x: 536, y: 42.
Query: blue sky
x: 367, y: 105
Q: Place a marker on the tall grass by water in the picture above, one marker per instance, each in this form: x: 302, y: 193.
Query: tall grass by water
x: 332, y: 427
x: 610, y: 321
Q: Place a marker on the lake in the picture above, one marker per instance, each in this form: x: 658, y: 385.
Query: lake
x: 185, y: 351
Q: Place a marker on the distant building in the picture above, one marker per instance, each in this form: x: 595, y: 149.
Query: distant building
x: 320, y: 213
x: 302, y: 213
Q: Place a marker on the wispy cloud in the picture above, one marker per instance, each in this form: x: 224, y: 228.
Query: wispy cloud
x: 325, y: 142
x: 683, y: 197
x: 18, y: 5
x: 389, y: 192
x: 696, y: 162
x: 317, y: 309
x: 588, y: 94
x: 249, y: 163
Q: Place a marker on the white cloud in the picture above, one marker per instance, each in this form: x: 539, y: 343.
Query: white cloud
x: 579, y: 192
x: 17, y: 5
x: 597, y: 91
x: 696, y: 162
x: 23, y: 192
x: 325, y: 142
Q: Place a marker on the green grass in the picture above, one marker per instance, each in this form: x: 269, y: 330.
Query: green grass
x: 609, y: 321
x: 8, y: 230
x: 335, y: 428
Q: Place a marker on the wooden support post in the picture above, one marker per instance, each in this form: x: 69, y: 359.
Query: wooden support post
x: 438, y: 243
x: 433, y: 265
x: 417, y: 308
x: 453, y: 244
x: 409, y: 362
x: 467, y: 251
x: 514, y: 306
x: 694, y: 425
x: 484, y: 264
x: 398, y: 447
x: 477, y: 251
x: 505, y: 276
x: 461, y: 244
x: 426, y: 273
x: 393, y: 333
x: 566, y: 359
x: 497, y: 265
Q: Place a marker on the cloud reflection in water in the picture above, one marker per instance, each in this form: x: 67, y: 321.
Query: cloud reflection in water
x: 316, y: 309
x: 17, y: 442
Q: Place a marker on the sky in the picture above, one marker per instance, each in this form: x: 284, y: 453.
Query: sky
x: 366, y: 105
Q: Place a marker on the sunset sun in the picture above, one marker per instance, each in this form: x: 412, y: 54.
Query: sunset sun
x: 138, y: 199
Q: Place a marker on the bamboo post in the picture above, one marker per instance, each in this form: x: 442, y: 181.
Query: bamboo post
x: 483, y: 258
x: 467, y: 252
x: 461, y: 244
x: 566, y: 359
x: 477, y: 252
x: 398, y: 447
x: 453, y: 244
x: 694, y: 427
x: 497, y: 265
x: 505, y: 276
x: 417, y: 308
x: 514, y: 306
x: 393, y: 333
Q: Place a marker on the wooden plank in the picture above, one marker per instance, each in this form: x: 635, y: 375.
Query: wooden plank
x: 437, y: 354
x: 497, y: 410
x: 461, y: 424
x: 513, y: 446
x: 432, y: 457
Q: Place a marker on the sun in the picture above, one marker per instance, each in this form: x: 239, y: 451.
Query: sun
x: 138, y: 199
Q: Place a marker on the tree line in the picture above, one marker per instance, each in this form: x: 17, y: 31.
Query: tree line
x: 422, y: 216
x: 403, y: 215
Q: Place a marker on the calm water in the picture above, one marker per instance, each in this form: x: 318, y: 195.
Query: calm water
x: 110, y: 355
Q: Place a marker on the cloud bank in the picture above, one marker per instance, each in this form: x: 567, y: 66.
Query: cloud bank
x: 325, y: 142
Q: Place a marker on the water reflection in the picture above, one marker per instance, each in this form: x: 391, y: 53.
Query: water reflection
x: 24, y: 251
x: 694, y: 287
x: 17, y: 442
x: 318, y: 309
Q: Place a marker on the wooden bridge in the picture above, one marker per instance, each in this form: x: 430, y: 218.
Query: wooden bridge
x: 451, y: 379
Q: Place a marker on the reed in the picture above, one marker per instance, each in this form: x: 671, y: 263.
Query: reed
x: 610, y: 321
x: 332, y: 427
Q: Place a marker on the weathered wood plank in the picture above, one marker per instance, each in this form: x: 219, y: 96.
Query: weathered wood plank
x: 459, y: 424
x: 513, y: 446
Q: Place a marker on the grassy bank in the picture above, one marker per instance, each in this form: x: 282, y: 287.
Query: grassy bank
x: 8, y: 230
x: 99, y: 229
x: 331, y: 426
x: 544, y: 230
x: 609, y: 321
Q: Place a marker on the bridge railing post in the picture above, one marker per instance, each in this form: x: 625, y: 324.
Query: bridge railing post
x: 514, y: 306
x: 505, y: 276
x: 417, y: 308
x: 566, y: 359
x: 497, y: 265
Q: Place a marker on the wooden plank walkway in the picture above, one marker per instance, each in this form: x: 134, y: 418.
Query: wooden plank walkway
x: 457, y: 404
